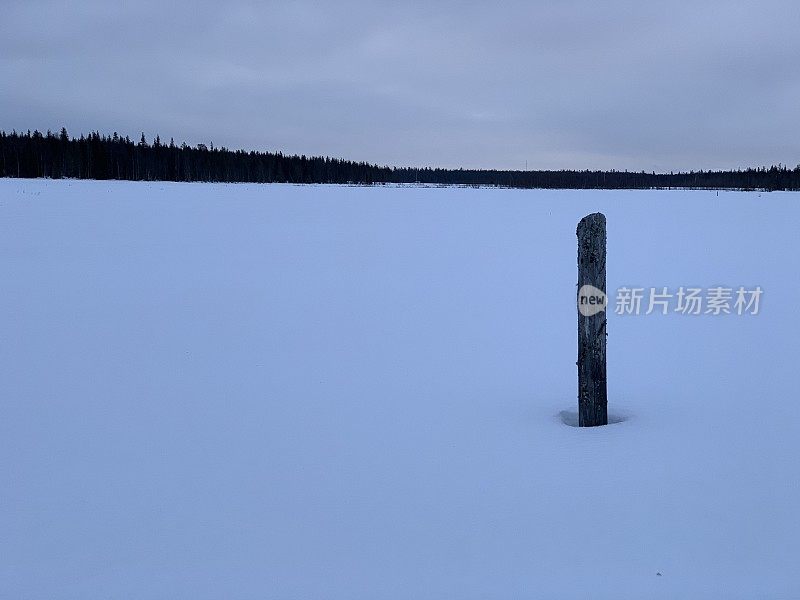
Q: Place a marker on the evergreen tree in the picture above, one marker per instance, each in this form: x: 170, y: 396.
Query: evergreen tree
x: 33, y: 154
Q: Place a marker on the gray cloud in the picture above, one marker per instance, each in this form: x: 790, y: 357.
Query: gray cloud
x: 574, y: 84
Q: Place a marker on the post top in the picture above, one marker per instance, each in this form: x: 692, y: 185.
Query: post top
x: 592, y: 221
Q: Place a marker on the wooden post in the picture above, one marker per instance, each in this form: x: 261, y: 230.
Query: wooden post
x: 592, y: 302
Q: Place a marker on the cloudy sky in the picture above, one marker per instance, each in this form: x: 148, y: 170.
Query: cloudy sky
x: 573, y: 84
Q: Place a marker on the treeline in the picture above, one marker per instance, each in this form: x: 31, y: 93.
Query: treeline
x: 113, y: 157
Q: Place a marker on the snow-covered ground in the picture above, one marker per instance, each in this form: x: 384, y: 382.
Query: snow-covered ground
x: 287, y: 392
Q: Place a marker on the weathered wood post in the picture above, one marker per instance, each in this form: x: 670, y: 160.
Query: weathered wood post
x: 592, y: 303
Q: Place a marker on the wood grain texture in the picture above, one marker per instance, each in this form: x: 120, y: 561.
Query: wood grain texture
x: 592, y: 391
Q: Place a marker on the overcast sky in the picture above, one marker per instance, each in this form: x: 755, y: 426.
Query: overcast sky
x: 573, y: 84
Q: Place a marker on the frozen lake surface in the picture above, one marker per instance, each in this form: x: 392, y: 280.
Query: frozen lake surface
x: 319, y: 392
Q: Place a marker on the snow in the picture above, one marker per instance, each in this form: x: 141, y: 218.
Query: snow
x: 275, y: 391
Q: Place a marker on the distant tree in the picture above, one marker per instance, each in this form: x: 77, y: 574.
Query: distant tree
x: 33, y: 154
